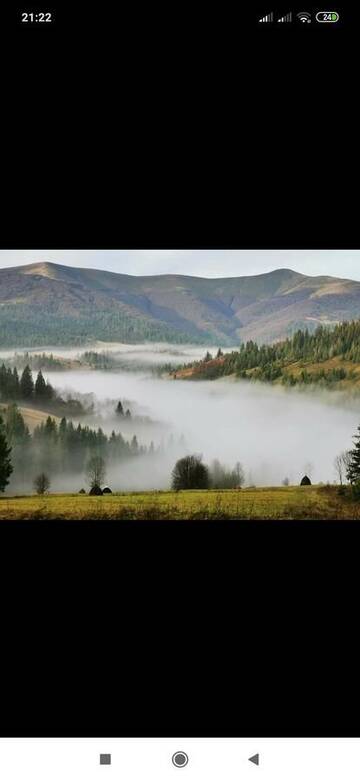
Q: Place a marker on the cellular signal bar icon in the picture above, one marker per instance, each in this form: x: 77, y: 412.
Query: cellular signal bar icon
x: 267, y: 18
x: 286, y: 18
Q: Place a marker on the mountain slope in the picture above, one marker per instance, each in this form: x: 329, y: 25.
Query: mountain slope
x: 328, y: 358
x: 47, y: 303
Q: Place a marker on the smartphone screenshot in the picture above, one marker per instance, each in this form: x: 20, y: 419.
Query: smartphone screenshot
x: 179, y: 393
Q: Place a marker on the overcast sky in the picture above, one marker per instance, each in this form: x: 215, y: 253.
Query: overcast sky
x: 204, y: 263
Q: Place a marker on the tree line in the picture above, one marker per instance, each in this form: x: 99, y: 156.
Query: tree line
x: 270, y: 362
x: 37, y: 361
x: 24, y: 388
x: 36, y: 392
x: 191, y: 473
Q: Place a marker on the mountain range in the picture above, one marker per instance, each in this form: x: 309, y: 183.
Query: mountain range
x: 46, y: 303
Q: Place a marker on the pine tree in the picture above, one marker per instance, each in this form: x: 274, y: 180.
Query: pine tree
x: 5, y: 463
x: 40, y: 386
x: 49, y: 391
x: 16, y: 381
x: 134, y: 445
x: 26, y: 384
x: 50, y: 428
x: 62, y: 429
x: 16, y: 431
x: 119, y: 409
x: 3, y: 381
x: 353, y: 468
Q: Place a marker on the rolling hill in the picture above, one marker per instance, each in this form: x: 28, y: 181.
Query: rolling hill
x: 327, y: 358
x: 44, y: 304
x: 32, y: 417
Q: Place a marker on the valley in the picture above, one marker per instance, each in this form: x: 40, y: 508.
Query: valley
x: 140, y: 385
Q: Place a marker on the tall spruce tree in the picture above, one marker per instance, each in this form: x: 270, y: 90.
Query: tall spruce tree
x: 134, y: 445
x: 16, y: 382
x: 5, y: 463
x: 49, y: 391
x: 40, y: 386
x: 119, y: 409
x: 27, y: 384
x: 62, y: 429
x: 353, y: 467
x: 3, y: 382
x: 16, y: 430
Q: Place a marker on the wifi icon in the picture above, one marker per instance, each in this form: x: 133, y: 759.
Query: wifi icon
x: 304, y: 17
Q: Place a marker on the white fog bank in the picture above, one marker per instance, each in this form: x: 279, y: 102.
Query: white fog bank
x: 274, y: 432
x: 154, y: 353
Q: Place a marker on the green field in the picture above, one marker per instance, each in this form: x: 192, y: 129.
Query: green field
x: 291, y: 502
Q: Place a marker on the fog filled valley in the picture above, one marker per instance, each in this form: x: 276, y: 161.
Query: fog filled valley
x: 276, y: 433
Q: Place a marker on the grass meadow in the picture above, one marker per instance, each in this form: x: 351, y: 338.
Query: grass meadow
x: 283, y: 503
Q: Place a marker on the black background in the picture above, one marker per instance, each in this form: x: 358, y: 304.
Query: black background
x: 189, y: 129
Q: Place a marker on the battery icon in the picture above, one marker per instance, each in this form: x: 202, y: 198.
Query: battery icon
x: 327, y: 16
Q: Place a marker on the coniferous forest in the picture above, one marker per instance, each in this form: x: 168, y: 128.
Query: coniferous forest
x: 20, y: 328
x: 288, y: 361
x: 27, y: 391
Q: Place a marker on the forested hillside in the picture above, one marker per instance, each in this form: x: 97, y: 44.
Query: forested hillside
x: 329, y: 357
x: 36, y: 392
x: 60, y: 449
x: 22, y: 326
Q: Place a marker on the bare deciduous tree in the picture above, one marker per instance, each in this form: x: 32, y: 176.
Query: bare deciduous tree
x: 346, y: 459
x: 95, y: 471
x: 339, y: 467
x: 41, y: 483
x: 240, y: 474
x: 189, y: 472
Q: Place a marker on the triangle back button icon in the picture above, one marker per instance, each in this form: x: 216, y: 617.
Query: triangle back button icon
x: 255, y: 759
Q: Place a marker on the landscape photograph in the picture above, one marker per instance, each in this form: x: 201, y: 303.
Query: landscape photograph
x: 180, y: 384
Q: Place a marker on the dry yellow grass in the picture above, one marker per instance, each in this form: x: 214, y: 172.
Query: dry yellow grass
x: 288, y: 503
x: 32, y: 417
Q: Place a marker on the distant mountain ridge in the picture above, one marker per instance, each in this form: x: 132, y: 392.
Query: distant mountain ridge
x: 47, y: 303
